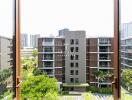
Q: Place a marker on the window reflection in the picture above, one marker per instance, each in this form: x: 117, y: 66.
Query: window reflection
x: 126, y: 49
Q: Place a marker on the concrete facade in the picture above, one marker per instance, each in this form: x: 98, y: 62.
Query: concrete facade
x: 5, y: 52
x: 75, y: 36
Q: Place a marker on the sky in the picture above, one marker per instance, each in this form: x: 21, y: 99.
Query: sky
x: 46, y: 17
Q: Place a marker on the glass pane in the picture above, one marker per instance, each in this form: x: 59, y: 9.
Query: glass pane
x: 126, y: 49
x: 6, y: 51
x: 70, y: 41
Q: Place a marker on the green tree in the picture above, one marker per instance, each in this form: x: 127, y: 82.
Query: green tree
x: 4, y: 74
x: 36, y: 87
x: 127, y: 75
x: 126, y: 78
x: 28, y: 64
x: 35, y: 53
x: 37, y: 71
x: 51, y: 96
x: 103, y: 75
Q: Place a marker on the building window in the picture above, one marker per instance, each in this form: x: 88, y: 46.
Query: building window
x: 48, y: 40
x: 72, y: 49
x: 76, y: 80
x: 71, y: 72
x: 72, y: 41
x: 77, y: 41
x: 72, y: 57
x: 76, y: 57
x: 104, y: 57
x: 72, y: 80
x: 76, y: 64
x: 48, y: 57
x: 76, y: 72
x: 104, y: 41
x: 48, y: 49
x: 72, y: 64
x: 76, y: 49
x: 104, y: 64
x: 48, y: 64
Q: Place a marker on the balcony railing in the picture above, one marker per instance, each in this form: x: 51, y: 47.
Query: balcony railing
x: 48, y: 58
x: 101, y: 42
x: 104, y: 50
x: 104, y: 44
x: 49, y: 73
x: 105, y: 81
x: 104, y: 58
x: 104, y: 66
x: 50, y: 50
x: 43, y: 67
x: 47, y: 43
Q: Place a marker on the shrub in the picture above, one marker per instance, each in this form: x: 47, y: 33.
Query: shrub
x: 105, y: 90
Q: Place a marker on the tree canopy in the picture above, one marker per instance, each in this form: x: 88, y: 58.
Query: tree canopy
x: 4, y: 74
x: 127, y: 75
x: 102, y: 75
x: 38, y: 86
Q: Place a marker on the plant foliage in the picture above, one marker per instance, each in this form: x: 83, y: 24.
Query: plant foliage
x: 38, y: 86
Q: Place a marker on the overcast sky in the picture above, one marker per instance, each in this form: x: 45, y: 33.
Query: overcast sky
x: 46, y: 17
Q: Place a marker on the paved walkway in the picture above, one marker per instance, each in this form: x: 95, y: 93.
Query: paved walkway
x: 73, y: 98
x: 97, y: 96
x: 101, y: 96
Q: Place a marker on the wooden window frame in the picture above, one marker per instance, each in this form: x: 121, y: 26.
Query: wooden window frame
x: 16, y: 50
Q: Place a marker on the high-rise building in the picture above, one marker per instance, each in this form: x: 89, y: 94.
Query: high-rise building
x: 126, y: 45
x: 24, y: 40
x: 72, y: 59
x: 5, y: 52
x: 34, y: 40
x: 29, y: 40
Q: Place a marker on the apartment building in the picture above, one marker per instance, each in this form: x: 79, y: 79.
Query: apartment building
x: 5, y: 52
x: 71, y: 58
x: 99, y: 57
x: 24, y: 40
x: 126, y: 45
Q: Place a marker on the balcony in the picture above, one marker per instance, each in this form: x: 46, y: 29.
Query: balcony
x: 47, y: 43
x: 49, y: 50
x: 47, y: 57
x: 105, y: 81
x: 104, y: 50
x: 104, y: 58
x: 50, y: 73
x: 105, y: 67
x: 44, y: 67
x: 104, y: 43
